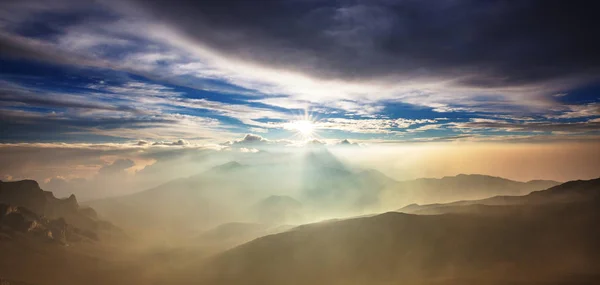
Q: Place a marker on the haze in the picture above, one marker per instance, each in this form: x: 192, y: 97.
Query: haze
x: 299, y: 142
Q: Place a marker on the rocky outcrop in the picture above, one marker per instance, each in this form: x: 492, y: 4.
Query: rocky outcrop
x: 88, y: 212
x: 28, y: 194
x: 28, y: 208
x: 19, y: 219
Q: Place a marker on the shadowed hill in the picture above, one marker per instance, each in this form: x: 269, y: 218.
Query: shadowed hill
x: 26, y: 196
x: 232, y: 234
x: 27, y: 193
x: 522, y: 245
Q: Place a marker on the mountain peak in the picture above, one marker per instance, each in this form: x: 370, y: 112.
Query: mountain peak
x: 27, y: 193
x: 228, y: 166
x: 23, y: 184
x: 280, y: 200
x: 322, y: 157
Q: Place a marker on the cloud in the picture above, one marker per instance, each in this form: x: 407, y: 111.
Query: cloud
x: 118, y: 166
x: 369, y: 126
x: 16, y: 95
x: 244, y: 113
x: 577, y: 111
x: 131, y: 100
x: 98, y: 170
x: 350, y: 53
x: 134, y: 110
x: 355, y: 40
x: 179, y: 142
x: 427, y: 128
x: 252, y: 140
x: 251, y: 150
x: 347, y: 60
x: 526, y: 126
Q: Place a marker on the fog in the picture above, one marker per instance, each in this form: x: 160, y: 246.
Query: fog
x: 94, y: 171
x: 212, y: 214
x: 159, y: 188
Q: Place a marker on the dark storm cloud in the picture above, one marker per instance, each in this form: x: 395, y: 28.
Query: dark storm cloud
x: 12, y: 46
x: 476, y: 43
x: 28, y: 28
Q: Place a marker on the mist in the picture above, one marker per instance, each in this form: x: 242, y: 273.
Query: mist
x: 289, y: 142
x: 98, y: 171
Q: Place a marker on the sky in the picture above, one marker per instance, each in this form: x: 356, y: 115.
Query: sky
x: 204, y: 74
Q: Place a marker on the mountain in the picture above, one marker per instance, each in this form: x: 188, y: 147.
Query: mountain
x: 324, y: 186
x: 26, y: 201
x: 519, y: 244
x: 47, y: 241
x: 572, y: 191
x: 278, y: 210
x: 250, y: 193
x: 232, y: 234
x: 27, y: 193
x: 15, y: 219
x: 198, y: 202
x: 460, y: 187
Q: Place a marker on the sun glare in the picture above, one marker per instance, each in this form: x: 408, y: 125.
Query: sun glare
x: 304, y: 128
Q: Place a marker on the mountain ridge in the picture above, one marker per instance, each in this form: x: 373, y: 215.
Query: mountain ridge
x: 567, y: 192
x: 38, y: 206
x: 450, y: 249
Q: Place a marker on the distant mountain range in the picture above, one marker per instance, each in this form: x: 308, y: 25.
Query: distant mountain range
x: 310, y: 187
x: 305, y: 188
x: 518, y: 244
x: 460, y: 187
x: 515, y: 237
x: 572, y: 191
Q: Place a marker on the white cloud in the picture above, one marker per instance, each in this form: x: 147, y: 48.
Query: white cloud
x: 478, y: 124
x: 427, y: 128
x: 577, y: 111
x: 179, y: 142
x: 369, y: 126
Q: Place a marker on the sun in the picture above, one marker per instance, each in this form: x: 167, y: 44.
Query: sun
x: 304, y: 128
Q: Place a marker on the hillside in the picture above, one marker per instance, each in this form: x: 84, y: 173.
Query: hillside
x: 303, y: 189
x: 460, y: 187
x: 572, y: 191
x: 33, y: 205
x: 323, y: 185
x: 517, y: 245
